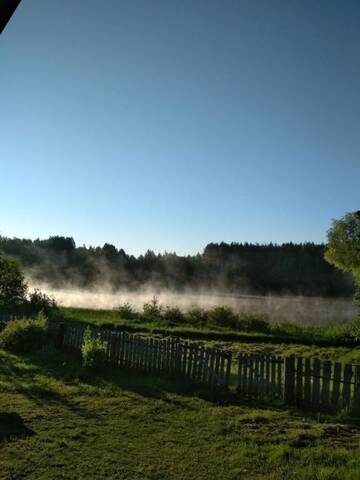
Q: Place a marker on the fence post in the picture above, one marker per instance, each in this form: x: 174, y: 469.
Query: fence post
x: 60, y: 336
x: 290, y: 379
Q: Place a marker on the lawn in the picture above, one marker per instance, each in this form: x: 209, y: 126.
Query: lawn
x: 125, y: 425
x: 287, y: 333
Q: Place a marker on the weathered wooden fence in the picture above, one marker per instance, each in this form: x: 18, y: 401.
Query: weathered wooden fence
x: 305, y: 382
x: 207, y: 366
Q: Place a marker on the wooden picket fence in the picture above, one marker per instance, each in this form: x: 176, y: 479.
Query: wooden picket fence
x: 306, y: 382
x: 209, y: 367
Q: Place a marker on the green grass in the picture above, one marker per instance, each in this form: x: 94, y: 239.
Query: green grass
x: 126, y: 425
x: 285, y: 333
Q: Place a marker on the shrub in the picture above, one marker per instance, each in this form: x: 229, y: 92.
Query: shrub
x: 253, y: 322
x: 286, y: 328
x: 40, y: 302
x: 173, y: 314
x: 24, y: 335
x: 12, y: 286
x: 223, y: 317
x: 126, y: 311
x: 93, y: 350
x: 355, y: 328
x: 152, y: 309
x: 197, y: 316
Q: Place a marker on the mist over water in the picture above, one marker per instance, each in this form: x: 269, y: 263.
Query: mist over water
x: 299, y: 309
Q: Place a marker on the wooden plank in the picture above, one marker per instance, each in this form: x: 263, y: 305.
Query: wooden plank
x: 273, y: 388
x: 211, y: 369
x: 201, y: 364
x: 280, y: 366
x: 325, y: 390
x: 245, y: 375
x: 261, y: 377
x: 250, y: 375
x: 256, y: 377
x: 239, y: 373
x: 205, y: 372
x: 299, y: 382
x: 228, y: 370
x: 357, y: 388
x: 190, y: 362
x: 346, y: 394
x: 289, y: 380
x: 307, y: 383
x: 216, y: 374
x: 222, y: 370
x: 267, y: 375
x: 315, y: 400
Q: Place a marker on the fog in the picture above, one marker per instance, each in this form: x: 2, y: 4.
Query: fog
x: 299, y: 309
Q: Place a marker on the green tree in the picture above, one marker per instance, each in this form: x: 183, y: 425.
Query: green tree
x: 343, y: 247
x: 13, y: 288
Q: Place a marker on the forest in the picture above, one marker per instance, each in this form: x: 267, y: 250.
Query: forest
x: 288, y: 268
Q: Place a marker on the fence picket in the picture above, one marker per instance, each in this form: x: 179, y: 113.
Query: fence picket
x: 307, y: 383
x: 325, y: 390
x: 348, y: 373
x: 315, y: 401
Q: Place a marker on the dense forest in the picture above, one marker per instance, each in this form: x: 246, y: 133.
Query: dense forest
x: 234, y: 268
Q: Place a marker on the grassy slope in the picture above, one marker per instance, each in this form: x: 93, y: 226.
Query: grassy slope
x: 236, y: 342
x: 126, y: 426
x: 326, y: 335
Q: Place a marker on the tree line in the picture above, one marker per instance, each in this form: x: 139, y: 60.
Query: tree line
x: 288, y: 268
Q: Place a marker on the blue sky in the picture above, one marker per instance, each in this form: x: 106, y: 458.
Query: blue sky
x: 168, y: 124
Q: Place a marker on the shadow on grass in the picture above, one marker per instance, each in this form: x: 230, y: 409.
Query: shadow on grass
x: 12, y: 426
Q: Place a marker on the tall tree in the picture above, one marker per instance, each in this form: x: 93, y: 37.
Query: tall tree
x: 343, y: 247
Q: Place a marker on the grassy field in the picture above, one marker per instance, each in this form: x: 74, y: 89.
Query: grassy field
x: 128, y: 426
x: 278, y: 333
x: 234, y: 341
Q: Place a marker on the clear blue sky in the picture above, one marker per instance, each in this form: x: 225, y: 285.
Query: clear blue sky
x: 169, y: 124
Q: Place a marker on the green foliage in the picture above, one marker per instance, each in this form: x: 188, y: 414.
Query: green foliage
x: 12, y: 286
x: 152, y: 309
x: 222, y: 317
x: 81, y: 423
x: 24, y: 335
x: 343, y: 247
x: 127, y: 311
x: 294, y: 268
x: 253, y: 322
x: 197, y: 316
x: 40, y: 302
x: 173, y: 315
x: 93, y: 350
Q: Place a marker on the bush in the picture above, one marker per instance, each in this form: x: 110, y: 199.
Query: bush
x: 93, y: 351
x: 355, y: 328
x: 223, y: 317
x: 12, y: 286
x: 197, y: 316
x: 253, y: 322
x: 126, y: 311
x: 152, y: 309
x: 40, y: 302
x: 24, y: 335
x: 173, y: 314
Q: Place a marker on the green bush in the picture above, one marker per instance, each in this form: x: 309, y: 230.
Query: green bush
x: 93, y: 350
x: 253, y: 322
x: 173, y: 314
x: 126, y: 311
x: 24, y: 335
x: 197, y: 316
x: 40, y: 302
x: 355, y: 328
x: 152, y: 309
x: 223, y: 317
